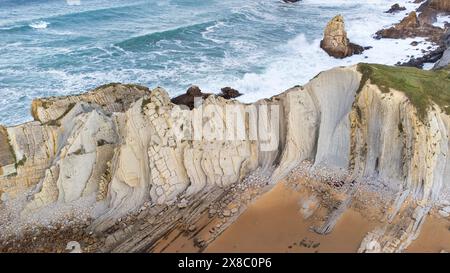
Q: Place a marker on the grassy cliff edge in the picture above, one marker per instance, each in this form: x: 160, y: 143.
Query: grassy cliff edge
x: 422, y: 87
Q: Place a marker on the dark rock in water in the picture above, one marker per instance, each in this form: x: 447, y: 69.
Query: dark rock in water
x: 335, y: 41
x: 188, y: 99
x: 430, y: 57
x: 291, y: 1
x: 395, y: 8
x: 414, y: 43
x: 194, y: 91
x: 229, y: 93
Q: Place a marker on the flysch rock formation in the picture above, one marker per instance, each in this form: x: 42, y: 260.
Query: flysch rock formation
x: 147, y: 151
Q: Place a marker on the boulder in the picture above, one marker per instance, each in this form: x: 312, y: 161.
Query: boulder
x: 335, y: 41
x: 395, y: 8
x: 188, y: 99
x: 229, y: 93
x: 112, y: 97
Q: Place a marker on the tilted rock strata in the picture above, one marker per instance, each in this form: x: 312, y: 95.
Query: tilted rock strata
x: 395, y: 8
x: 337, y: 120
x: 114, y: 97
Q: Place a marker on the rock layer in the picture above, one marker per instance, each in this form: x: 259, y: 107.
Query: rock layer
x: 114, y: 97
x: 160, y: 153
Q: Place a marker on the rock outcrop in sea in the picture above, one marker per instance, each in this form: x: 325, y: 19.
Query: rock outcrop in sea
x: 335, y: 41
x: 395, y: 8
x: 420, y: 24
x: 130, y: 153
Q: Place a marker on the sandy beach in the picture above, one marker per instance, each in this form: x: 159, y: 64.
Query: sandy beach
x: 434, y: 237
x: 274, y: 224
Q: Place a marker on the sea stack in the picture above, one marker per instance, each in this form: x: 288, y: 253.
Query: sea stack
x: 335, y: 41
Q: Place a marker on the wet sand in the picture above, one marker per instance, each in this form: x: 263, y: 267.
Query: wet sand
x: 273, y: 223
x: 434, y: 236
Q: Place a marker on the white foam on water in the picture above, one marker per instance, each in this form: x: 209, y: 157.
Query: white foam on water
x: 207, y: 34
x: 303, y: 59
x: 441, y: 20
x: 39, y: 25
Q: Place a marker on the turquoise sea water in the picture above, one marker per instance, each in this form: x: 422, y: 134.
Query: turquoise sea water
x: 260, y: 47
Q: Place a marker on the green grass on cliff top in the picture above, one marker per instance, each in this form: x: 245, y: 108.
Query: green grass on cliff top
x: 420, y: 86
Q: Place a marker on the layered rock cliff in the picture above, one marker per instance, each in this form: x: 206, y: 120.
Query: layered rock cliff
x: 127, y: 147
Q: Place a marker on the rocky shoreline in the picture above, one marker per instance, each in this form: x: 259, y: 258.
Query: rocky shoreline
x: 419, y: 23
x: 131, y: 161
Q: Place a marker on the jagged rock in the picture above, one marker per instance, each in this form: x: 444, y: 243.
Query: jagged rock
x: 410, y: 27
x: 194, y: 92
x: 395, y: 8
x: 188, y: 99
x: 335, y: 41
x: 229, y: 93
x: 114, y: 97
x: 342, y: 119
x: 444, y: 61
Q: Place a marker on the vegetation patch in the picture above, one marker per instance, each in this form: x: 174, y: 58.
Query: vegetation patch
x: 422, y: 87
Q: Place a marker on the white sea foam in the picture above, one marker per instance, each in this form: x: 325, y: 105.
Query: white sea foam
x: 238, y: 58
x: 207, y: 34
x: 39, y: 25
x: 303, y: 59
x: 442, y: 20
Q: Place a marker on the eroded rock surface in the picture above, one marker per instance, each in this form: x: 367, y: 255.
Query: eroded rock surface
x: 178, y: 161
x: 114, y: 97
x: 335, y: 41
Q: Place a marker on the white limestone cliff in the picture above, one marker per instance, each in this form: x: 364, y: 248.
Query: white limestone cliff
x: 143, y: 151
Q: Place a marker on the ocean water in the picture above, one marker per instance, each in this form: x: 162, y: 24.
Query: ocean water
x: 260, y: 47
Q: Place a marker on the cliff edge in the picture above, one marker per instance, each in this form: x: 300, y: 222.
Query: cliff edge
x: 123, y: 150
